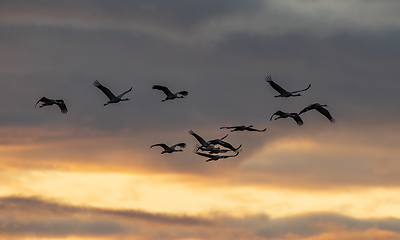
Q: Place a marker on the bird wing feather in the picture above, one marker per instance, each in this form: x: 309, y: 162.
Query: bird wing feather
x: 297, y: 118
x: 182, y: 145
x: 325, y: 112
x: 161, y: 145
x: 302, y: 89
x: 279, y: 113
x: 43, y: 99
x: 164, y: 89
x: 61, y: 104
x: 277, y: 87
x: 105, y: 90
x: 200, y: 139
x: 122, y: 94
x: 183, y: 93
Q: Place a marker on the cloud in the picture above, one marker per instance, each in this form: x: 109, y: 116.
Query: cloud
x: 37, y: 217
x: 338, y: 156
x: 200, y: 21
x: 220, y: 52
x: 38, y: 208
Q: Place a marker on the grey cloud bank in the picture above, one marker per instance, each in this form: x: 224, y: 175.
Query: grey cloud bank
x: 52, y: 219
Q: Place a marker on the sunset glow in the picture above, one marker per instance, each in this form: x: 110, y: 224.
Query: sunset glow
x: 91, y: 173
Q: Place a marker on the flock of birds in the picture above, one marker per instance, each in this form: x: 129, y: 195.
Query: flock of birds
x: 213, y: 149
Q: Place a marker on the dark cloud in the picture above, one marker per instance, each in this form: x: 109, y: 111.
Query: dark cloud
x: 59, y: 228
x: 38, y: 208
x: 224, y: 81
x: 174, y: 15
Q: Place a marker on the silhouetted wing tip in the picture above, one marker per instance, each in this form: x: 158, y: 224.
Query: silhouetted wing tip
x: 96, y: 83
x: 184, y: 93
x: 182, y: 145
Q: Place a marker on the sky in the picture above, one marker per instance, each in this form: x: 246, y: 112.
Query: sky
x: 91, y: 174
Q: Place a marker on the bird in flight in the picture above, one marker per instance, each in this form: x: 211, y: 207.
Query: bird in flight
x: 320, y: 108
x: 224, y: 143
x: 170, y: 95
x: 281, y: 114
x: 206, y: 146
x: 110, y: 95
x: 212, y: 157
x: 48, y: 102
x: 171, y: 149
x: 244, y: 128
x: 282, y: 92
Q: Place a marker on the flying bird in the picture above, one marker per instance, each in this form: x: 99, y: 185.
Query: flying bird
x: 48, y: 102
x: 283, y: 92
x: 244, y: 128
x: 224, y: 144
x: 281, y: 114
x: 320, y: 108
x: 171, y: 149
x: 170, y: 95
x: 110, y: 95
x: 215, y: 157
x: 206, y: 146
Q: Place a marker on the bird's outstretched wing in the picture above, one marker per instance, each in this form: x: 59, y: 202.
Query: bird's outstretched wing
x: 164, y: 89
x: 200, y: 139
x: 255, y: 130
x: 61, y: 104
x: 183, y: 93
x: 218, y: 139
x: 182, y: 145
x: 43, y: 99
x: 326, y: 113
x: 297, y: 118
x: 303, y: 89
x: 308, y: 108
x: 105, y: 90
x: 161, y: 145
x: 279, y: 113
x: 224, y: 144
x: 275, y: 86
x: 122, y: 94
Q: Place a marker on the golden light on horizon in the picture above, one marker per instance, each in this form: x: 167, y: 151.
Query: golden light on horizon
x: 163, y: 194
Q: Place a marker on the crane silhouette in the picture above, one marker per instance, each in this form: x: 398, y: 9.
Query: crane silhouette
x: 170, y: 95
x: 171, y: 149
x: 110, y: 95
x: 320, y: 108
x: 281, y: 114
x: 49, y: 102
x: 282, y: 92
x: 244, y: 128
